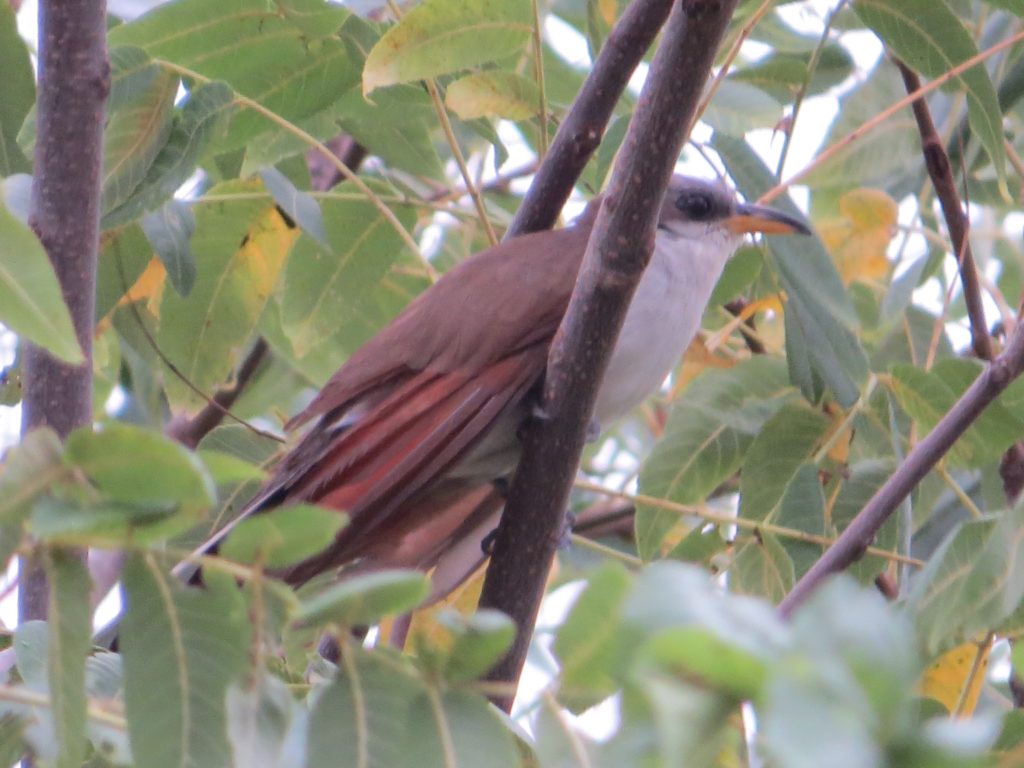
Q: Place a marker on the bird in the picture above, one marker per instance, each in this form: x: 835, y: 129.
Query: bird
x: 415, y: 434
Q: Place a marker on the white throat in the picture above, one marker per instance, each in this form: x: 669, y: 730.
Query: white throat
x: 664, y: 315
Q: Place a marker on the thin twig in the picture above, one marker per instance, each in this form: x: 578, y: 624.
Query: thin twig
x: 538, y: 67
x: 726, y: 519
x: 210, y: 401
x: 941, y: 175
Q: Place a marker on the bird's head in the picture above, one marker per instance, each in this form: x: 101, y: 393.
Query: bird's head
x: 695, y: 209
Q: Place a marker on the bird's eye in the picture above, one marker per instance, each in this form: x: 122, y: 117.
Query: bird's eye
x: 695, y: 205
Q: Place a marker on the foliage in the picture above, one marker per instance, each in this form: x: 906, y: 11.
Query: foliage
x: 784, y: 418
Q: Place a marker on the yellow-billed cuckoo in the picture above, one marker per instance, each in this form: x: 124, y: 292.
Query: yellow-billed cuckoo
x: 411, y: 433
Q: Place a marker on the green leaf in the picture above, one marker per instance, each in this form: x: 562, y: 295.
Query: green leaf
x: 169, y: 230
x: 739, y: 273
x: 140, y: 467
x: 480, y: 640
x: 124, y: 255
x: 31, y: 303
x: 692, y: 652
x: 784, y: 74
x: 591, y: 646
x: 762, y: 567
x: 364, y: 599
x: 668, y: 595
x: 927, y: 397
x: 930, y: 38
x: 240, y: 247
x: 709, y: 431
x: 263, y: 51
x: 260, y: 717
x: 187, y: 645
x: 493, y: 93
x: 971, y: 583
x: 817, y: 302
x: 200, y: 120
x: 845, y: 687
x: 29, y: 469
x: 226, y: 469
x: 301, y: 207
x: 283, y: 536
x: 138, y: 123
x: 398, y: 126
x: 802, y: 508
x: 12, y: 740
x: 786, y: 441
x: 70, y: 637
x: 453, y: 728
x: 442, y: 36
x: 885, y: 156
x: 324, y: 289
x: 738, y: 107
x: 360, y: 718
x: 17, y: 93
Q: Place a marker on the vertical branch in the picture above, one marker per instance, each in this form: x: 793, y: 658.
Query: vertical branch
x: 937, y: 163
x: 618, y: 251
x: 74, y: 78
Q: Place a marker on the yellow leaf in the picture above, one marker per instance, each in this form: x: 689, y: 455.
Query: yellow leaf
x: 149, y: 287
x: 264, y: 251
x: 609, y: 10
x: 493, y: 94
x: 946, y: 679
x: 840, y: 450
x: 696, y: 359
x: 859, y: 236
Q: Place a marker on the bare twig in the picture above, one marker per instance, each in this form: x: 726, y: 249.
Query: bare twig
x: 748, y: 327
x: 580, y: 132
x: 851, y: 544
x: 617, y: 253
x: 323, y: 172
x: 190, y: 432
x: 941, y: 175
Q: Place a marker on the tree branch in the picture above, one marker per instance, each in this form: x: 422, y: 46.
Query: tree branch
x: 74, y: 79
x: 851, y: 544
x: 189, y: 432
x: 617, y: 253
x: 581, y: 130
x: 937, y: 163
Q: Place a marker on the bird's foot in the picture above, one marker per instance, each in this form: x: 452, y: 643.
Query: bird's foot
x: 539, y: 412
x: 501, y: 486
x: 565, y: 532
x: 487, y: 543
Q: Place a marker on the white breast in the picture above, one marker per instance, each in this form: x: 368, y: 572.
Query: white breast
x: 663, y: 317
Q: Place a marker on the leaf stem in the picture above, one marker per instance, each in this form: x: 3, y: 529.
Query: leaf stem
x: 724, y: 518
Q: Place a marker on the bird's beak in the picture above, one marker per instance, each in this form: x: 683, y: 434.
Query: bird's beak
x: 759, y: 218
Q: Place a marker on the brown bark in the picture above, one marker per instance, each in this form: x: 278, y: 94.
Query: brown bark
x: 617, y: 253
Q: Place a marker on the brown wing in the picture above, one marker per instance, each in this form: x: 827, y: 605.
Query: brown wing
x: 408, y: 406
x: 505, y: 298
